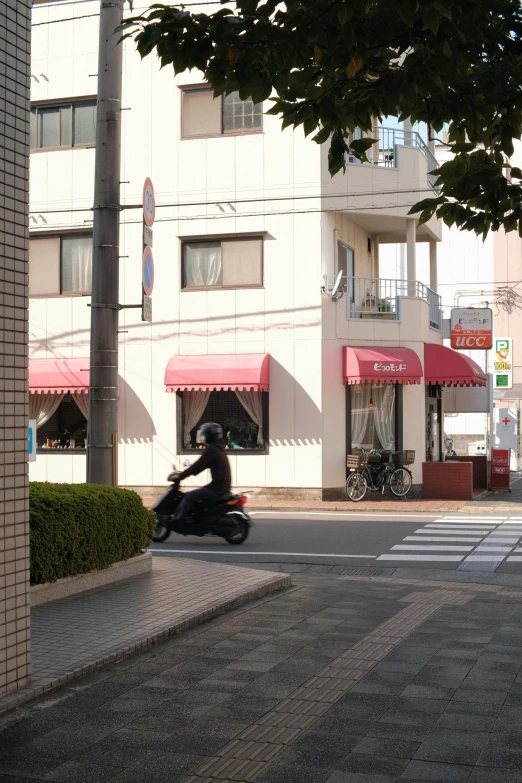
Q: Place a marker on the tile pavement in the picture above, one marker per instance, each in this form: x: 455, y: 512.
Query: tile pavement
x: 338, y: 680
x: 78, y: 635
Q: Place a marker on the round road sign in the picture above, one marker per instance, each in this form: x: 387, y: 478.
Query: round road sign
x: 149, y: 203
x: 147, y: 271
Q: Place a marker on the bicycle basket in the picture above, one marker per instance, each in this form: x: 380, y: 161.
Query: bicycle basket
x: 356, y: 461
x: 402, y: 458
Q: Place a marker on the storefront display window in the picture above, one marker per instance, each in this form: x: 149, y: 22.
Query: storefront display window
x: 373, y: 416
x: 61, y: 421
x: 242, y: 414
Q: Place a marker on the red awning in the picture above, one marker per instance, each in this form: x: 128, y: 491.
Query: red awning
x: 381, y: 365
x: 218, y: 372
x: 58, y: 376
x: 450, y: 368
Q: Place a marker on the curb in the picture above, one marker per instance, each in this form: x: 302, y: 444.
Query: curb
x: 81, y: 583
x: 273, y: 583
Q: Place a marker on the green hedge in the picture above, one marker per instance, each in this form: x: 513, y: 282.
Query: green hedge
x: 77, y: 528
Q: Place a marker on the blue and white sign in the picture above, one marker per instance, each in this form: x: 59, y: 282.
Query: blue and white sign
x: 148, y: 271
x: 31, y: 441
x: 149, y: 203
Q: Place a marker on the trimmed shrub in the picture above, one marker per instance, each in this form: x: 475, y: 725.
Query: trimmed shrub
x: 76, y: 528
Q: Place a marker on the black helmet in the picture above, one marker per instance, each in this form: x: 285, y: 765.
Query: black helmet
x: 210, y: 432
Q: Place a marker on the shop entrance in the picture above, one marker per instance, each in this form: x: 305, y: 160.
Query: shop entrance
x: 433, y: 423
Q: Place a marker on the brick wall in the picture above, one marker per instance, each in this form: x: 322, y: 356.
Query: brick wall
x: 480, y: 470
x: 14, y: 192
x: 447, y: 480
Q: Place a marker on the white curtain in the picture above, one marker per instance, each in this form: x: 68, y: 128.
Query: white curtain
x: 201, y: 264
x: 77, y: 264
x: 194, y: 404
x: 361, y: 393
x: 82, y: 401
x: 383, y: 398
x: 252, y: 402
x: 42, y: 406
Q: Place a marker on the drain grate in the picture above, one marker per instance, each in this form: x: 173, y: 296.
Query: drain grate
x: 362, y: 572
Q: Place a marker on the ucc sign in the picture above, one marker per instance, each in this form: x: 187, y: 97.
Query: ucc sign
x: 472, y: 328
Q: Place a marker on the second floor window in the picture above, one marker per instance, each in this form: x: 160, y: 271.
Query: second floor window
x: 203, y: 115
x: 60, y: 265
x: 63, y: 125
x: 223, y: 263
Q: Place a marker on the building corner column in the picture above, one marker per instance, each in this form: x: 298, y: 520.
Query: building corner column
x: 411, y: 254
x: 433, y: 265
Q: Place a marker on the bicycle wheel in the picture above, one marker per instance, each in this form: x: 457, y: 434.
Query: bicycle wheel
x: 356, y: 486
x: 400, y: 482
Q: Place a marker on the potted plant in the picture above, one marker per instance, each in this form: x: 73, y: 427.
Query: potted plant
x: 241, y: 432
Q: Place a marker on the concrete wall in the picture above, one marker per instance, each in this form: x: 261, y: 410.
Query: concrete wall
x: 15, y: 663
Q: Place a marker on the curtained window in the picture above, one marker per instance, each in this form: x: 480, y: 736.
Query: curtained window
x: 373, y: 417
x: 76, y: 264
x: 223, y: 263
x: 60, y: 265
x: 242, y: 414
x: 61, y: 420
x: 203, y: 115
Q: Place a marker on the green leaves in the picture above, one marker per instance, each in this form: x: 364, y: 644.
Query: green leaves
x: 335, y: 66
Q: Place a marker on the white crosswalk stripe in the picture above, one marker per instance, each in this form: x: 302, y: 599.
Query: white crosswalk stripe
x: 480, y: 542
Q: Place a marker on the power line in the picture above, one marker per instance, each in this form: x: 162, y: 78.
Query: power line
x: 366, y: 208
x: 262, y: 200
x: 88, y: 16
x: 68, y: 19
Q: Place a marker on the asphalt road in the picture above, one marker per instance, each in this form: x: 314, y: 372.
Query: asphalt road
x: 381, y: 540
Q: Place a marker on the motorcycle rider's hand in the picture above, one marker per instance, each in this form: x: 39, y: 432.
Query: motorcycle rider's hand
x: 173, y: 476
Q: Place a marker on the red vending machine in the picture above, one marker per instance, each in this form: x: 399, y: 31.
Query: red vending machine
x: 499, y: 477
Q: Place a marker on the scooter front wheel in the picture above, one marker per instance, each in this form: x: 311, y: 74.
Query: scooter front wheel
x: 241, y: 532
x: 161, y: 531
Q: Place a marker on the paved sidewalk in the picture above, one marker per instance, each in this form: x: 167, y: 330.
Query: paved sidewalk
x: 76, y: 636
x: 338, y: 680
x: 487, y: 502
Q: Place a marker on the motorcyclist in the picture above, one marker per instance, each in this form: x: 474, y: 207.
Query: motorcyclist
x: 214, y: 458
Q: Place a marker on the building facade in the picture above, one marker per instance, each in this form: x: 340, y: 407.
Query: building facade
x: 15, y: 37
x: 269, y: 312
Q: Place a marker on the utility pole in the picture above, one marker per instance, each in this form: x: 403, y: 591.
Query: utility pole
x: 103, y: 386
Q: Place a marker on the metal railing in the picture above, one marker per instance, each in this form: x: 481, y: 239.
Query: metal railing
x: 379, y: 298
x: 384, y: 151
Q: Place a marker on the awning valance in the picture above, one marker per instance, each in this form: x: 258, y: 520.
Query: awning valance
x: 218, y: 372
x: 381, y: 365
x: 449, y: 368
x: 58, y: 376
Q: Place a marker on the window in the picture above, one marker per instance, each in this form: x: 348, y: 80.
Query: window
x: 242, y: 414
x: 223, y: 263
x: 203, y: 115
x: 62, y: 126
x: 66, y: 428
x: 344, y: 260
x: 60, y: 265
x: 374, y: 416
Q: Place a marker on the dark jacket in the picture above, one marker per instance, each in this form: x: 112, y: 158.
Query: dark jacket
x: 215, y: 459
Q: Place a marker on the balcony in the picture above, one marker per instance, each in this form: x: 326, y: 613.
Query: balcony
x: 385, y: 152
x: 379, y: 299
x: 377, y: 195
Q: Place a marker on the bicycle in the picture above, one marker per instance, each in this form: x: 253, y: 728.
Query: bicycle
x: 378, y: 474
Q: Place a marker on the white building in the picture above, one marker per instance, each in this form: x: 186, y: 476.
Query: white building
x: 250, y: 234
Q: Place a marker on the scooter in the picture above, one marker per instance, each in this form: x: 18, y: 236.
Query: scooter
x: 225, y: 516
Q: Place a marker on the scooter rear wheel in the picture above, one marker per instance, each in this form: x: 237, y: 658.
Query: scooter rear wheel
x: 241, y: 532
x: 161, y: 531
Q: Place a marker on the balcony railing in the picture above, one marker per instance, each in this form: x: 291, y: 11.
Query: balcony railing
x: 385, y: 150
x: 379, y: 298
